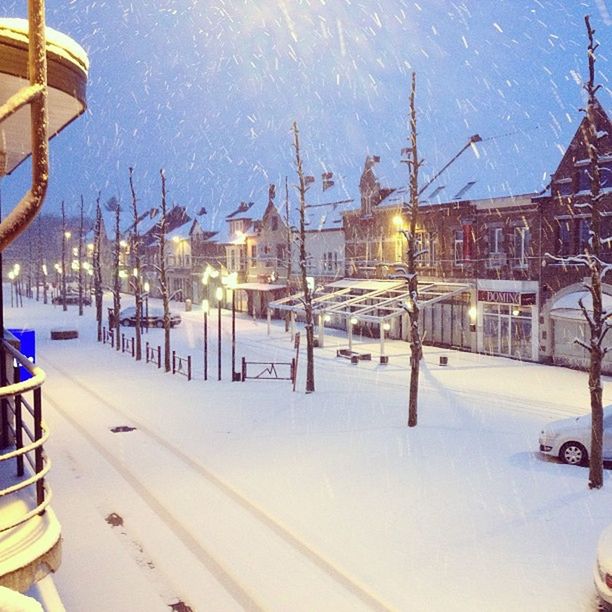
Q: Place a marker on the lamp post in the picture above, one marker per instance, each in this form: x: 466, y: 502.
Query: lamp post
x: 11, y: 276
x: 18, y: 295
x: 219, y: 296
x: 146, y: 298
x: 232, y: 283
x: 45, y: 272
x: 205, y: 308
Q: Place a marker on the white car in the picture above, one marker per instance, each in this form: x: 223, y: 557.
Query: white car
x: 153, y: 317
x: 570, y: 439
x: 602, y: 572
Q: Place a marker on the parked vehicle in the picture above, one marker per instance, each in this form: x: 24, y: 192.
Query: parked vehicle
x: 570, y: 439
x: 155, y: 318
x: 72, y: 298
x: 602, y: 572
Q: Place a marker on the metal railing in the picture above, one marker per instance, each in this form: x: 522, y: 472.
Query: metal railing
x: 24, y: 433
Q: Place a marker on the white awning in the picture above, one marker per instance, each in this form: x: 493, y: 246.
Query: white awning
x: 259, y: 287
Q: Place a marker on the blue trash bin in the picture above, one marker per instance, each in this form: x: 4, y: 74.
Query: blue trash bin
x: 27, y: 347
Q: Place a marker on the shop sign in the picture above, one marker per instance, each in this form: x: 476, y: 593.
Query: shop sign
x: 507, y: 297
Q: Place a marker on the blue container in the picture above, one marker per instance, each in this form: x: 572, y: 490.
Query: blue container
x: 27, y: 347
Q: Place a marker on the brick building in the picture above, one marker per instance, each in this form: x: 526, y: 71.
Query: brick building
x: 519, y: 301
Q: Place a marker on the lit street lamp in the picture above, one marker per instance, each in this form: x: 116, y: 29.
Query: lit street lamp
x: 146, y: 288
x: 205, y: 308
x: 231, y: 284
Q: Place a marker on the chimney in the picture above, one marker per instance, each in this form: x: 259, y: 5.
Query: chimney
x: 327, y: 178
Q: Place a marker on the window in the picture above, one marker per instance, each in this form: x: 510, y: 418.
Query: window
x: 584, y: 227
x: 281, y: 254
x: 273, y: 223
x: 584, y: 179
x: 564, y: 237
x: 522, y: 243
x: 253, y: 255
x: 496, y: 240
x: 605, y: 174
x: 399, y: 247
x: 267, y: 255
x: 459, y: 247
x: 330, y: 261
x: 425, y: 248
x: 564, y: 186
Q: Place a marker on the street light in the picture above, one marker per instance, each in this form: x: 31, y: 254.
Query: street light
x: 232, y: 281
x: 219, y: 296
x: 146, y: 287
x: 45, y: 272
x: 205, y: 309
x: 11, y: 276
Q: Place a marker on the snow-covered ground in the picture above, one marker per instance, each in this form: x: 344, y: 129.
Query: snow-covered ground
x: 230, y: 496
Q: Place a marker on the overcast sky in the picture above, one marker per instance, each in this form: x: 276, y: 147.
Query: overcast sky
x: 208, y: 90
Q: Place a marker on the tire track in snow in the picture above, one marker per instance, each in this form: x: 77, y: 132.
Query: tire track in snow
x: 221, y: 574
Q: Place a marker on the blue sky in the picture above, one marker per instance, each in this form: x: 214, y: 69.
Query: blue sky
x: 208, y: 90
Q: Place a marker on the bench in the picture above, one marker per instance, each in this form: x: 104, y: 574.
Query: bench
x: 64, y: 334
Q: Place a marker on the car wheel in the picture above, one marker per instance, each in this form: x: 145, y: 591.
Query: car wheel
x: 573, y: 453
x: 159, y: 324
x: 125, y: 322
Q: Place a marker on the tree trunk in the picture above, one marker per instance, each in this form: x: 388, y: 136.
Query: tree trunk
x: 80, y: 258
x: 64, y: 238
x: 162, y: 274
x: 595, y: 264
x: 116, y: 278
x: 309, y: 324
x: 97, y: 267
x: 138, y: 273
x: 416, y: 350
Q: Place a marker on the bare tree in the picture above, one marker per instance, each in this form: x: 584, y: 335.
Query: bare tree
x: 289, y: 233
x: 307, y: 290
x: 39, y: 259
x: 598, y: 321
x: 97, y: 266
x: 64, y: 239
x: 137, y: 276
x: 114, y: 206
x: 408, y: 271
x: 80, y: 257
x: 163, y: 281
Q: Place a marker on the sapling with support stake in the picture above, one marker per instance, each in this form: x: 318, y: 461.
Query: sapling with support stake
x: 596, y: 261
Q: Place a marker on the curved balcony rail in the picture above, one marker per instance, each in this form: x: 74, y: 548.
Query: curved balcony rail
x: 23, y: 437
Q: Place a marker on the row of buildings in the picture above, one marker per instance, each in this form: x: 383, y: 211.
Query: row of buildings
x: 490, y: 281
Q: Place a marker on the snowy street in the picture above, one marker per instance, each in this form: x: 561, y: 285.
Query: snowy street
x: 229, y: 496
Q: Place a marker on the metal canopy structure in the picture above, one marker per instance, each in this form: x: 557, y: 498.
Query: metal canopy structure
x: 376, y: 301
